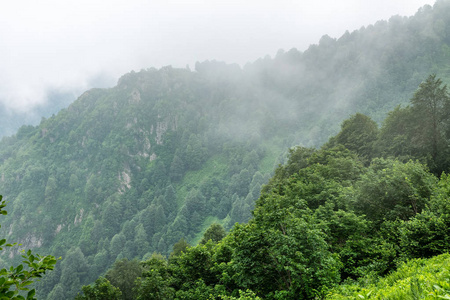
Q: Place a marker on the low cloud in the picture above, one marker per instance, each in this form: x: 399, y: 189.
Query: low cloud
x: 60, y: 45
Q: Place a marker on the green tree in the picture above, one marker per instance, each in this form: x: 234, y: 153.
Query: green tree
x: 358, y: 134
x: 195, y: 153
x: 141, y: 240
x: 50, y: 189
x: 298, y: 159
x: 393, y: 190
x: 394, y: 136
x: 178, y: 229
x: 57, y: 293
x: 73, y: 181
x: 123, y: 275
x: 431, y: 103
x: 285, y: 260
x: 101, y: 290
x: 439, y: 203
x: 215, y: 233
x: 117, y: 244
x: 170, y: 202
x: 420, y: 130
x: 426, y: 235
x: 179, y: 247
x: 154, y: 284
x: 176, y: 169
x: 111, y: 217
x: 240, y: 183
x: 153, y: 218
x: 194, y: 265
x: 101, y: 260
x: 74, y: 271
x: 240, y: 211
x: 195, y: 202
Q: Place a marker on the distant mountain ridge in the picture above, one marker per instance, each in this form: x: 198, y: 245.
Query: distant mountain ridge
x: 130, y: 170
x: 11, y: 120
x: 55, y: 99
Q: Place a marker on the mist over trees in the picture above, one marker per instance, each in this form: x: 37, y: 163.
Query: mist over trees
x: 141, y: 171
x: 329, y: 222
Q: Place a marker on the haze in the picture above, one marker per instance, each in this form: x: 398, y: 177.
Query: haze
x: 72, y: 46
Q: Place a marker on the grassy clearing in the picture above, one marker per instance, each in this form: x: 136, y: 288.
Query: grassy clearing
x: 272, y: 153
x: 214, y: 167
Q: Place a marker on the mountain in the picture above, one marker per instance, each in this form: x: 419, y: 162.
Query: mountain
x: 130, y: 170
x: 329, y: 222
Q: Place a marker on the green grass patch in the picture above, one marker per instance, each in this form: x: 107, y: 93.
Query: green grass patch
x: 214, y: 167
x: 272, y: 152
x: 416, y: 279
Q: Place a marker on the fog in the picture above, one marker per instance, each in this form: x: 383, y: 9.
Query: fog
x: 51, y: 45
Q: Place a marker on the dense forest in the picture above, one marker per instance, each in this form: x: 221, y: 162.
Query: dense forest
x: 349, y: 212
x: 124, y: 179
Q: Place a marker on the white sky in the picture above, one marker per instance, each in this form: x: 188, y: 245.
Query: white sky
x: 47, y: 44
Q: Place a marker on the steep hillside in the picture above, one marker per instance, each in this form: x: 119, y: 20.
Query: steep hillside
x: 335, y: 218
x: 130, y: 170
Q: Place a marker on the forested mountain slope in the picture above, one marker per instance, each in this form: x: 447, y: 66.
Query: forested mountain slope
x: 130, y: 170
x: 331, y: 223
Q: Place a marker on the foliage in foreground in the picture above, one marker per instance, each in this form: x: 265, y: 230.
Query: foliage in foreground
x: 416, y: 279
x: 15, y: 281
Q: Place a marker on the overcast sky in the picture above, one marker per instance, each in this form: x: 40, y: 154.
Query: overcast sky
x: 63, y: 44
